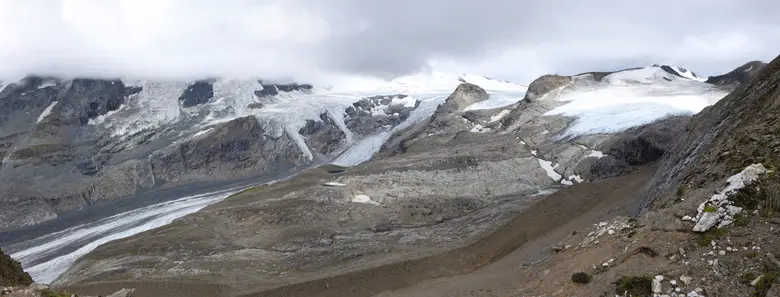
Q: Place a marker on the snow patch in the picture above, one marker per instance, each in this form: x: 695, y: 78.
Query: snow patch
x: 720, y: 211
x: 499, y: 116
x: 595, y: 154
x: 408, y: 101
x: 46, y: 111
x: 102, y: 118
x: 202, y: 132
x: 549, y: 168
x: 45, y: 85
x: 334, y: 184
x: 364, y: 199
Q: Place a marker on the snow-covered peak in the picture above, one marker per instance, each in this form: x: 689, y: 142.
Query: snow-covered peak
x: 688, y: 74
x: 652, y: 74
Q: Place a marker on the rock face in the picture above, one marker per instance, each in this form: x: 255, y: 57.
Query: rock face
x: 740, y: 75
x: 11, y: 273
x: 58, y: 154
x: 197, y: 93
x: 445, y: 122
x: 465, y: 95
x: 545, y: 84
x: 229, y: 150
x: 271, y: 89
x: 378, y: 113
x: 324, y: 136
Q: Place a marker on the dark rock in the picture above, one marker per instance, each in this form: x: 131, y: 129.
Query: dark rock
x: 740, y: 75
x: 580, y: 278
x: 88, y: 98
x: 324, y: 136
x: 647, y: 251
x: 11, y: 273
x: 360, y: 118
x: 197, y: 93
x: 544, y: 84
x: 645, y: 144
x: 231, y: 149
x: 132, y: 90
x: 255, y: 105
x: 270, y: 89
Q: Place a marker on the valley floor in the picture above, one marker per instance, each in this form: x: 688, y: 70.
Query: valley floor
x: 503, y: 263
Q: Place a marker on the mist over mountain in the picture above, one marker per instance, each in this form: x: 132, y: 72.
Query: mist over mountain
x: 309, y: 40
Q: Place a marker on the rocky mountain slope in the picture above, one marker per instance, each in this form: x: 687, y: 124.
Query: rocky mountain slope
x: 435, y: 188
x: 68, y: 144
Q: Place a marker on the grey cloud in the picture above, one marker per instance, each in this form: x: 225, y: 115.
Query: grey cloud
x: 514, y: 39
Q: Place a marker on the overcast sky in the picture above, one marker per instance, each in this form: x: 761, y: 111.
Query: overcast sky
x: 305, y: 39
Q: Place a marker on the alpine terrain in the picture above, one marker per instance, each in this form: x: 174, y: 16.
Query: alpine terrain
x: 649, y: 181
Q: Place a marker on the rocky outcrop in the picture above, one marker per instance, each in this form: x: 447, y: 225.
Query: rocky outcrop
x: 378, y: 113
x: 324, y: 137
x: 231, y: 149
x: 740, y: 75
x: 197, y: 93
x: 544, y: 84
x: 11, y: 273
x: 464, y: 95
x: 272, y: 89
x: 445, y: 122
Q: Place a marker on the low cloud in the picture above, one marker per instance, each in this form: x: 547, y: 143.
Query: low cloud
x: 310, y: 39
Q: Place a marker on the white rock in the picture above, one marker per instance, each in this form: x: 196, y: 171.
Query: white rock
x: 364, y: 199
x: 688, y: 218
x: 673, y: 282
x: 724, y: 210
x: 755, y: 281
x: 693, y: 294
x: 657, y: 287
x: 721, y: 253
x: 686, y: 279
x: 333, y: 184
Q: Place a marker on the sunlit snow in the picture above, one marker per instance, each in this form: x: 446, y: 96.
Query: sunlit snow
x: 633, y: 98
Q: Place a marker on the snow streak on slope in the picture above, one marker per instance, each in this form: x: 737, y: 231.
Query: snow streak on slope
x: 632, y: 98
x: 46, y: 111
x: 46, y: 257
